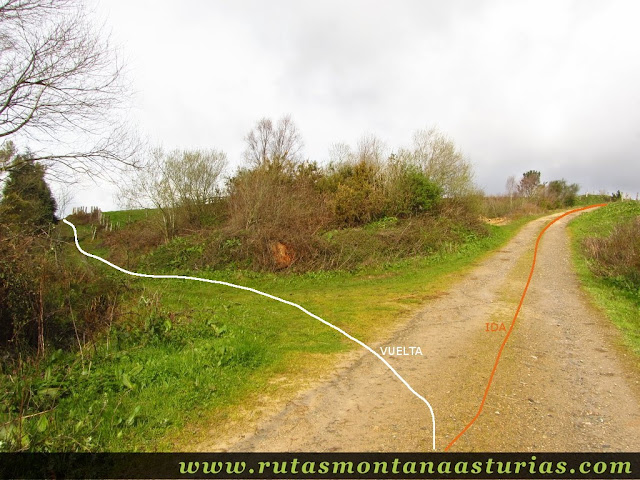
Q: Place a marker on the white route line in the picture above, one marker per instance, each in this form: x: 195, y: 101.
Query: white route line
x: 278, y: 299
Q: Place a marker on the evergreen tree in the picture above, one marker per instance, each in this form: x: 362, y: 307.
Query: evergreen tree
x: 27, y: 202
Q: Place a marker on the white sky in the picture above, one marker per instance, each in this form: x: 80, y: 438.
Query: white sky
x: 545, y: 85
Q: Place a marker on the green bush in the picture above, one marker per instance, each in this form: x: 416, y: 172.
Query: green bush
x: 417, y: 193
x: 355, y: 193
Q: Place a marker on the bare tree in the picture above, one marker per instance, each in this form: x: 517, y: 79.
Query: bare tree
x: 147, y: 188
x: 371, y: 150
x: 61, y: 84
x: 273, y: 145
x: 287, y: 142
x: 63, y: 196
x: 181, y: 182
x: 258, y: 142
x: 512, y: 187
x: 340, y: 153
x: 441, y: 160
x: 195, y: 175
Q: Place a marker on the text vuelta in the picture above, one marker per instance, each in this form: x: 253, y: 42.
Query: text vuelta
x: 401, y: 350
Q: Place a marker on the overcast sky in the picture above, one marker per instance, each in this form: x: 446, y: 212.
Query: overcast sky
x: 551, y: 86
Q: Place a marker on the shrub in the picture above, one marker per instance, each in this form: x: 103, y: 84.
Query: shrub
x: 390, y: 239
x: 127, y: 245
x: 274, y: 207
x: 558, y: 194
x: 409, y: 191
x: 617, y: 256
x: 441, y: 161
x: 422, y: 193
x: 355, y: 193
x: 47, y: 298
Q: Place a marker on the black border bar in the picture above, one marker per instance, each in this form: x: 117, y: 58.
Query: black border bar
x: 418, y: 465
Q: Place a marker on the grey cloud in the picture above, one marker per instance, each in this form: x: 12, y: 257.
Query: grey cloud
x: 549, y: 85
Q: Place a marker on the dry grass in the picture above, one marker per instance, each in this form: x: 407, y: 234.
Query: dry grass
x: 617, y: 255
x: 501, y: 206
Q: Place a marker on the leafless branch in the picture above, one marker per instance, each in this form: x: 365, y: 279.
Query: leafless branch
x: 60, y: 78
x: 267, y: 143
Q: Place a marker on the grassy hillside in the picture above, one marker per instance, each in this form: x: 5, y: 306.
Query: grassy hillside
x: 188, y: 353
x: 606, y: 245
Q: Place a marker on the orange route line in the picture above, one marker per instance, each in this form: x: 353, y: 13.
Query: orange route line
x: 513, y: 322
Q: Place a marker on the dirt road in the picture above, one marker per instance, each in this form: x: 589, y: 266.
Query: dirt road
x: 563, y: 384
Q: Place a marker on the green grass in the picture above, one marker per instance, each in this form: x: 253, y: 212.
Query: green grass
x: 591, y: 199
x: 124, y: 217
x: 620, y: 304
x: 190, y: 354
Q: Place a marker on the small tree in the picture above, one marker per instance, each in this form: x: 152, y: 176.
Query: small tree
x: 512, y: 188
x: 529, y: 183
x: 441, y: 160
x: 371, y: 150
x: 180, y: 184
x: 27, y: 201
x: 340, y: 153
x: 559, y: 193
x: 195, y: 175
x: 275, y: 145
